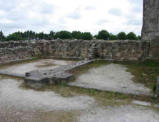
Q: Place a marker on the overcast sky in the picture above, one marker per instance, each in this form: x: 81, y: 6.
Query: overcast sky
x: 83, y: 15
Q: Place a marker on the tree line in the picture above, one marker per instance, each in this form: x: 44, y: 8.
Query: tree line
x: 103, y: 34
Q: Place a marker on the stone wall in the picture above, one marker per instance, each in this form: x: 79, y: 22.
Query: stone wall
x: 110, y: 50
x: 78, y: 49
x: 150, y: 29
x: 16, y: 51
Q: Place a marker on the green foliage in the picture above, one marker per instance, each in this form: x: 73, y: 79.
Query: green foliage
x: 139, y: 37
x: 15, y: 36
x: 2, y: 37
x: 131, y: 36
x: 76, y: 35
x: 87, y: 36
x: 103, y: 34
x: 151, y: 63
x: 28, y: 35
x: 145, y: 72
x: 51, y: 35
x: 63, y: 35
x: 113, y: 37
x: 42, y: 35
x: 95, y: 36
x: 122, y: 36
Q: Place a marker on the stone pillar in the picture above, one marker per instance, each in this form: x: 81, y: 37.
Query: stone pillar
x: 150, y: 30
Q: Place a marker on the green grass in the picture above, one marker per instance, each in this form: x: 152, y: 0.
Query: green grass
x: 144, y: 72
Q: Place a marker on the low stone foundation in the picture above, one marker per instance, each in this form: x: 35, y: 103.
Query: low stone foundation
x: 58, y: 75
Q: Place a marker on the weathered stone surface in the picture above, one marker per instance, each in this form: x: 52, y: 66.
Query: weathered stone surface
x: 111, y: 50
x: 58, y: 75
x: 74, y: 49
x: 13, y: 51
x: 150, y: 30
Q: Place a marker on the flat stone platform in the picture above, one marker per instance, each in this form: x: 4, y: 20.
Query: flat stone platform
x: 54, y: 76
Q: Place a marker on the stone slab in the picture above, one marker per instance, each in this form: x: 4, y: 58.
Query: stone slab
x: 54, y: 76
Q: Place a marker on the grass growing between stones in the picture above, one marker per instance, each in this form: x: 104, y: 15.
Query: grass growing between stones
x: 59, y: 116
x: 56, y: 116
x: 144, y: 72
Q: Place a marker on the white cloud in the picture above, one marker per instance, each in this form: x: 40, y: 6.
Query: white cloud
x: 83, y: 15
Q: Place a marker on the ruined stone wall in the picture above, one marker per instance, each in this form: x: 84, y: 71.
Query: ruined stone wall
x: 150, y: 29
x: 78, y: 49
x: 15, y: 51
x: 110, y: 50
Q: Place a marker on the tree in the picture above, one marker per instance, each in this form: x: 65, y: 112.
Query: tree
x: 76, y: 35
x: 42, y: 35
x: 122, y: 36
x: 96, y: 36
x: 2, y: 37
x: 51, y: 35
x: 87, y: 36
x: 139, y: 37
x: 103, y: 34
x: 63, y: 35
x: 112, y: 37
x: 15, y: 36
x: 28, y: 35
x: 131, y: 36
